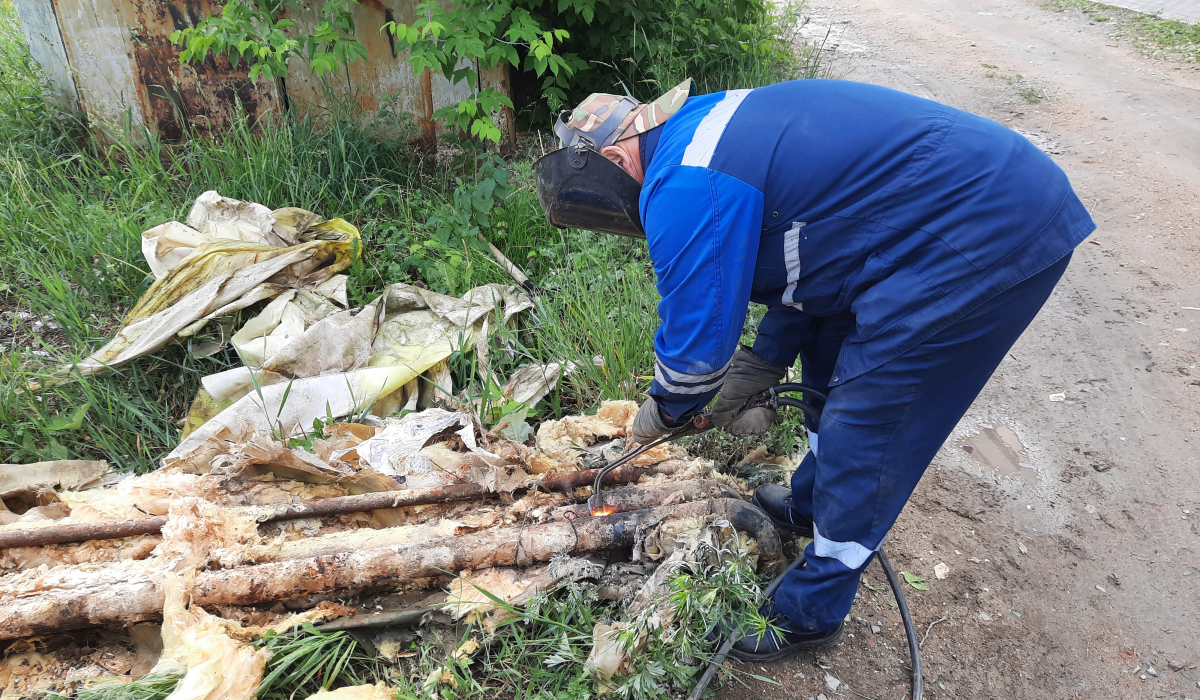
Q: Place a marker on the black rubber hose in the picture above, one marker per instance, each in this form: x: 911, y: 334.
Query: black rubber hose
x: 807, y: 389
x: 812, y: 414
x: 914, y: 650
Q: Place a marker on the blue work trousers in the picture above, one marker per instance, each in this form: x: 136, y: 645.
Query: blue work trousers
x: 879, y: 432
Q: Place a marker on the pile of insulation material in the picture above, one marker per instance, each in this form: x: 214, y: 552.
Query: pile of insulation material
x: 192, y: 599
x: 334, y: 478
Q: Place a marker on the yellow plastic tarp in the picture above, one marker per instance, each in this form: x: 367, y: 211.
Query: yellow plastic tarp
x: 236, y: 261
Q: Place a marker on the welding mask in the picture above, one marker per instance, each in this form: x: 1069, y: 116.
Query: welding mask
x: 578, y: 187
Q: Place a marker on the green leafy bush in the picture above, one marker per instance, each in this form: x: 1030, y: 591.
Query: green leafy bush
x: 644, y: 48
x: 567, y: 47
x: 257, y: 32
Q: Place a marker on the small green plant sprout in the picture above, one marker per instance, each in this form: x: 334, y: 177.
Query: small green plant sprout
x: 278, y: 432
x: 72, y: 422
x: 914, y: 580
x: 306, y: 440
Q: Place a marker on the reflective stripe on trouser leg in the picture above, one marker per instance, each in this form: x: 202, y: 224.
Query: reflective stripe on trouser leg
x: 852, y: 555
x: 879, y: 431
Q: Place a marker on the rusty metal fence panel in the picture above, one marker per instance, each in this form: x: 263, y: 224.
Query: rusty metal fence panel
x: 113, y: 61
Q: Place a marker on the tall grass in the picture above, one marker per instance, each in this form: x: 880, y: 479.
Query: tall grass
x: 71, y: 215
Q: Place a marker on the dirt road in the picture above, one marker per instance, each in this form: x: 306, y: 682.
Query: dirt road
x: 1067, y: 504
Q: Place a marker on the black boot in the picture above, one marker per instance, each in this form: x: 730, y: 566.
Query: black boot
x: 772, y: 645
x: 776, y: 502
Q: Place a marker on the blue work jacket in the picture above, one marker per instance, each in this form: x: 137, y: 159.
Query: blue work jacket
x: 821, y: 197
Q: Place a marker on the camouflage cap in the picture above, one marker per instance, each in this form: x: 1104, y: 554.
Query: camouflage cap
x: 594, y: 116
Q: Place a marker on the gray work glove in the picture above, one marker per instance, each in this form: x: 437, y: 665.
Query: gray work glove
x: 649, y: 423
x: 748, y: 375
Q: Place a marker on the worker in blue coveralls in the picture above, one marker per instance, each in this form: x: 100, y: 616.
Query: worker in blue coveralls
x: 900, y: 245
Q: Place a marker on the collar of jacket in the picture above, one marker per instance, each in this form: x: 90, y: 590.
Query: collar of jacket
x: 647, y: 144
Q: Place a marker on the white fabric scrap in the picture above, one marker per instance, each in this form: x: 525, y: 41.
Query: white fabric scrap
x: 396, y: 450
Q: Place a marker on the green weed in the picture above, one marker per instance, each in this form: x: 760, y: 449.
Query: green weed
x: 914, y: 580
x: 1170, y: 36
x: 540, y: 651
x: 1154, y: 35
x: 1093, y: 10
x: 144, y: 688
x: 1027, y: 92
x: 308, y: 660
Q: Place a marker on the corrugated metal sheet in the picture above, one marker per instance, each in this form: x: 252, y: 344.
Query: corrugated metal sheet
x: 114, y: 58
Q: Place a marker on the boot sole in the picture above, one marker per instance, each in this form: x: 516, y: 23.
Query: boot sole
x: 782, y: 524
x: 814, y: 645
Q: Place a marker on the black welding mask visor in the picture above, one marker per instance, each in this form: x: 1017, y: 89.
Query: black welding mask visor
x: 579, y: 188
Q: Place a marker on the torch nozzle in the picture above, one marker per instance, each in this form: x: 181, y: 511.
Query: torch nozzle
x: 597, y: 508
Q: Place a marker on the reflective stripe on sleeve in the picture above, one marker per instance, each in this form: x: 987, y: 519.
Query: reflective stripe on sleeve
x: 683, y: 383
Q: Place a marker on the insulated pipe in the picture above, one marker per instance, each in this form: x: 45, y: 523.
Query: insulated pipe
x: 83, y: 532
x: 75, y: 597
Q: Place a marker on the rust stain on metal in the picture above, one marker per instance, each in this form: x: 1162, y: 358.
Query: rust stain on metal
x: 199, y: 98
x: 428, y: 128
